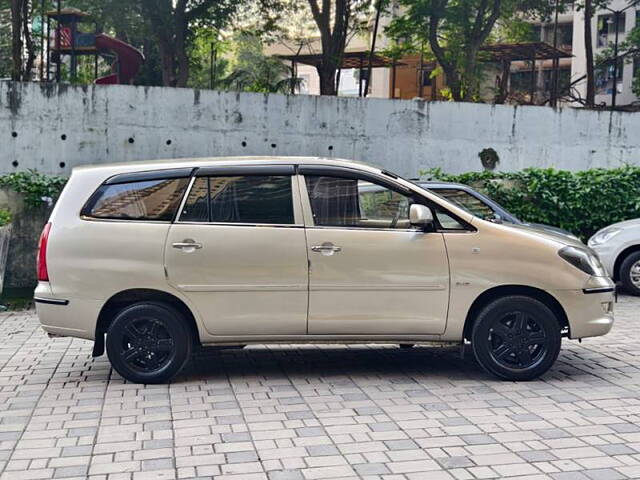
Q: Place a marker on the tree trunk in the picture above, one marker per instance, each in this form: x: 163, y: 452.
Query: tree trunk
x: 327, y: 74
x: 182, y: 59
x: 30, y: 46
x: 167, y: 64
x: 588, y: 46
x: 16, y: 39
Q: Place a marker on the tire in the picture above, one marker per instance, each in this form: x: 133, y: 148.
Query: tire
x: 504, y: 334
x: 630, y: 270
x: 149, y: 342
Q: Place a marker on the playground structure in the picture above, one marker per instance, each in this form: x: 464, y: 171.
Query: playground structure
x: 69, y: 40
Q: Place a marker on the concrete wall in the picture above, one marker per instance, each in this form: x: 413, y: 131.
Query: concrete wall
x: 52, y: 128
x: 27, y: 223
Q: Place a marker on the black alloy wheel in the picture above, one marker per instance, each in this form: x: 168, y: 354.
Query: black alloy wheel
x: 148, y: 342
x: 516, y: 338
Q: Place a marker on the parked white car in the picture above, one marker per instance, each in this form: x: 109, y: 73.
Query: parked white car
x: 618, y: 247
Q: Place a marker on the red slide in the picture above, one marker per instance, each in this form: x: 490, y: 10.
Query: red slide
x: 127, y: 65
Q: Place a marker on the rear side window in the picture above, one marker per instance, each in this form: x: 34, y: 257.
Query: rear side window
x: 240, y: 199
x: 151, y: 200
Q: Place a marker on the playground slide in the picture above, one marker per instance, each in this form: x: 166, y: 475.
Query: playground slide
x: 128, y: 63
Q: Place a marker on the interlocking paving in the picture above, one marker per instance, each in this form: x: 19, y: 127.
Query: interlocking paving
x: 320, y: 412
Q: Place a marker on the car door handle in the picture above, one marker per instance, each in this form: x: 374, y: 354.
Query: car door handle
x: 187, y: 245
x: 327, y: 248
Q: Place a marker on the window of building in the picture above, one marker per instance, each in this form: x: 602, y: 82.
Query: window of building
x: 604, y: 78
x: 253, y: 199
x: 427, y: 81
x: 151, y: 200
x: 607, y: 28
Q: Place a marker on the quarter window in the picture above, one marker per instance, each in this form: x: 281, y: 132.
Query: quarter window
x: 152, y: 200
x: 240, y: 199
x: 348, y: 202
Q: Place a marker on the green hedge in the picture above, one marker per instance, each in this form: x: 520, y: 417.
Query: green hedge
x: 581, y: 202
x: 36, y: 187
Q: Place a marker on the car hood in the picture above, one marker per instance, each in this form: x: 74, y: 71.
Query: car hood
x: 549, y: 235
x: 635, y: 223
x: 550, y: 228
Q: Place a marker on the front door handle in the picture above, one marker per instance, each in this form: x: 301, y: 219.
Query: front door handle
x: 327, y: 248
x: 188, y: 245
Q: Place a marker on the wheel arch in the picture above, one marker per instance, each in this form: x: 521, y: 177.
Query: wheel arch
x: 122, y: 299
x: 621, y: 257
x: 494, y: 293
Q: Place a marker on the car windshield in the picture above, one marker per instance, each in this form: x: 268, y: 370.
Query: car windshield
x: 465, y: 200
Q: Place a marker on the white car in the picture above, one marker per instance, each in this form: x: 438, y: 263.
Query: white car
x: 618, y: 247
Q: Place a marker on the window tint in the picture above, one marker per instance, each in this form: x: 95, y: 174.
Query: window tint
x: 241, y: 199
x: 347, y: 202
x: 447, y: 222
x: 467, y: 201
x: 147, y: 200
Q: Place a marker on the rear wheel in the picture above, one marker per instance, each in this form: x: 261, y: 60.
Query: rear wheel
x: 630, y: 273
x: 516, y: 338
x: 148, y: 342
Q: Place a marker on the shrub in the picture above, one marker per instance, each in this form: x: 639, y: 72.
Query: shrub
x: 582, y: 202
x: 36, y: 187
x: 5, y: 217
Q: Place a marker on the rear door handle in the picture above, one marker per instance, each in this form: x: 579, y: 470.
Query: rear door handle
x: 187, y: 245
x: 327, y: 248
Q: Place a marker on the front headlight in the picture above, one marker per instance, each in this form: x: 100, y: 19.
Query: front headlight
x: 584, y: 260
x: 603, y: 236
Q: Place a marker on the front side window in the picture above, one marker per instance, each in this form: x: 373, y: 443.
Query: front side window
x: 349, y: 202
x: 240, y: 199
x: 465, y: 200
x: 150, y: 200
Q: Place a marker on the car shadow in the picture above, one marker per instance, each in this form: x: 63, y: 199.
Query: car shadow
x: 326, y: 361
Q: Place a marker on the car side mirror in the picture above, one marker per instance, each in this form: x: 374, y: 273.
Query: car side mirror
x: 496, y: 218
x: 420, y: 216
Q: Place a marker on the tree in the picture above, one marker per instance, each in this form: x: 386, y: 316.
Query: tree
x: 21, y: 40
x: 455, y: 30
x: 335, y: 20
x: 5, y: 39
x: 255, y: 72
x: 172, y: 23
x: 588, y: 50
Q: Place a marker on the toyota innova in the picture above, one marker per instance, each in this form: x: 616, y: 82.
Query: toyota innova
x: 154, y: 260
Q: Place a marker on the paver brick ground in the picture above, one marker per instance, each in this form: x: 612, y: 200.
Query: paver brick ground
x: 320, y: 412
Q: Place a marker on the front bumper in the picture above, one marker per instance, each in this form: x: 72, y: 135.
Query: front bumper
x: 607, y: 255
x: 590, y: 310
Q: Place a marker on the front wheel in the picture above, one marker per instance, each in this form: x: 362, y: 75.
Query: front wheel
x: 630, y: 273
x: 516, y: 338
x: 148, y: 342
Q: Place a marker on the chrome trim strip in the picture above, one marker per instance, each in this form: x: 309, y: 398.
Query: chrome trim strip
x: 598, y: 290
x: 243, y: 288
x: 376, y: 288
x: 187, y: 191
x: 50, y: 301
